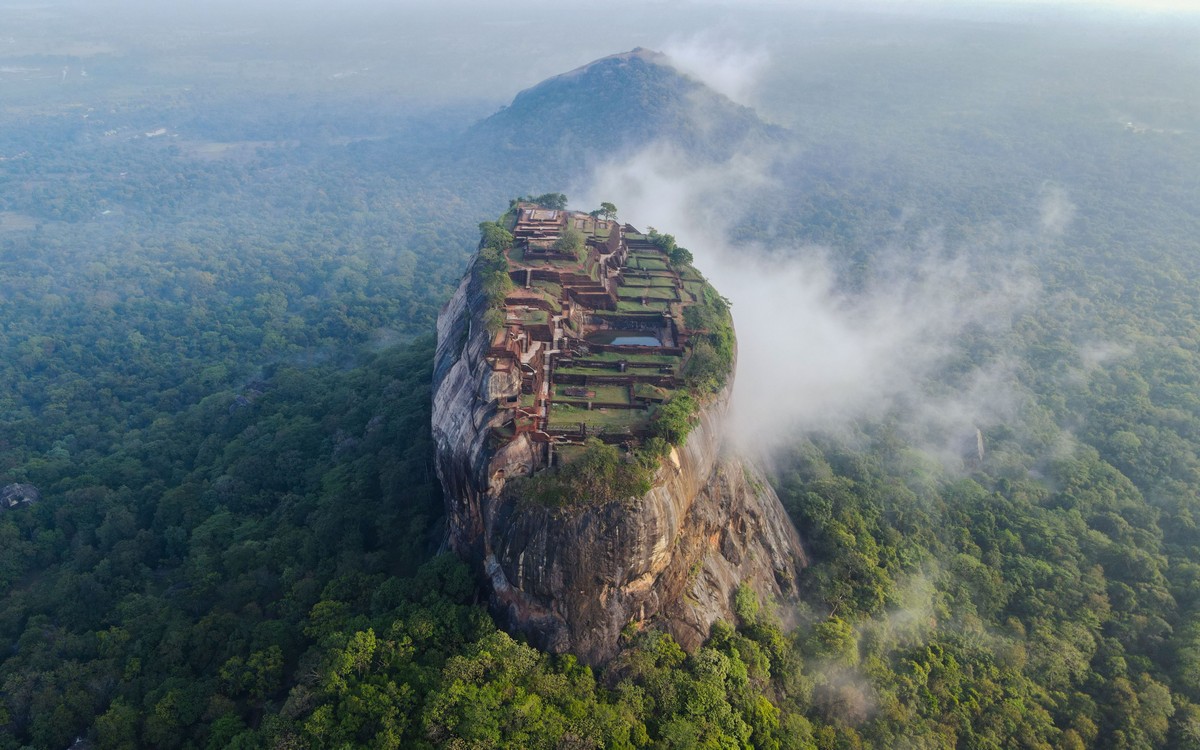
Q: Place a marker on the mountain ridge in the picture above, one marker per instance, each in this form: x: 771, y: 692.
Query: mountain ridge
x: 612, y: 105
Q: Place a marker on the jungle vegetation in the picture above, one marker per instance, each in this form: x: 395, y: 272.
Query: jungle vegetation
x: 215, y: 354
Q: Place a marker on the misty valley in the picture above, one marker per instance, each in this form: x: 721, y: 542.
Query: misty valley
x: 560, y: 377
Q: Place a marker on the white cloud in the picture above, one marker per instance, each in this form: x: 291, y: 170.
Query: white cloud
x: 722, y: 64
x: 1057, y: 210
x: 813, y: 355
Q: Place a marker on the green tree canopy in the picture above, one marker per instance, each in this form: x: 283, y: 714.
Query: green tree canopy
x: 572, y: 241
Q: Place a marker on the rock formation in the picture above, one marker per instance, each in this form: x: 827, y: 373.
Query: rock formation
x: 513, y: 398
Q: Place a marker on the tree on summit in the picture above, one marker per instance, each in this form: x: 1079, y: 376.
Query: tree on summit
x: 680, y: 256
x: 606, y: 211
x: 556, y: 201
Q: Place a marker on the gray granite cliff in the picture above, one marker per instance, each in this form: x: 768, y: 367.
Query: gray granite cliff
x: 572, y: 579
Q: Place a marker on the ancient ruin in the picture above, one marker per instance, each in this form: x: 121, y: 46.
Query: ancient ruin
x: 17, y: 495
x: 598, y: 338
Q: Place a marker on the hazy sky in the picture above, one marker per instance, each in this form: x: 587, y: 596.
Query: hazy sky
x: 429, y: 49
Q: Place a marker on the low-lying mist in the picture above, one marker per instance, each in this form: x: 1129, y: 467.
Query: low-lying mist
x: 816, y: 353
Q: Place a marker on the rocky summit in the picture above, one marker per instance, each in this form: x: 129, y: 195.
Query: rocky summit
x: 581, y: 384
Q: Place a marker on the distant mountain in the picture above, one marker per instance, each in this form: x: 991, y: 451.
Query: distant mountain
x: 616, y: 103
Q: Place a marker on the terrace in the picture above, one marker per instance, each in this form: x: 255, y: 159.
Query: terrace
x: 600, y: 340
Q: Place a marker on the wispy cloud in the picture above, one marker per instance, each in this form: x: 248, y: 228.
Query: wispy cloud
x: 719, y: 62
x: 812, y: 354
x: 1057, y: 210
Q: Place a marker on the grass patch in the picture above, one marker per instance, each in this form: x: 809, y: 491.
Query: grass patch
x: 549, y: 287
x: 651, y: 305
x: 642, y: 281
x: 529, y: 317
x: 646, y: 263
x: 584, y: 371
x: 611, y: 394
x: 565, y: 416
x: 646, y: 390
x: 711, y: 358
x: 554, y: 304
x: 649, y: 292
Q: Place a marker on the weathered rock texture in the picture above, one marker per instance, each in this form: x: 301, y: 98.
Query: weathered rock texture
x: 572, y: 579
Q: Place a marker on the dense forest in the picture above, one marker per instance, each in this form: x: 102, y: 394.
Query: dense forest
x: 215, y: 363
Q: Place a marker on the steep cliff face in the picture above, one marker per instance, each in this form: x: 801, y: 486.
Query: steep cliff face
x: 572, y: 578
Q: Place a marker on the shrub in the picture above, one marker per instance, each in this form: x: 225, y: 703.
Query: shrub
x: 599, y: 475
x: 572, y: 241
x: 675, y: 419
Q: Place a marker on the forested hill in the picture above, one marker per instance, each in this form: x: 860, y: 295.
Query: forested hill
x: 609, y: 108
x: 215, y: 366
x: 555, y: 133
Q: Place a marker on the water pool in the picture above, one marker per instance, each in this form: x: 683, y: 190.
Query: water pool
x: 624, y: 338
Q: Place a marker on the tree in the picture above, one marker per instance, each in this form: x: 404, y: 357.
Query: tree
x: 665, y: 242
x: 673, y: 420
x: 495, y: 236
x: 680, y: 256
x: 599, y: 475
x: 571, y: 241
x: 608, y: 210
x: 556, y: 201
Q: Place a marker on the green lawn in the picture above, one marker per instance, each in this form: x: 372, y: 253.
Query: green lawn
x: 609, y: 394
x: 637, y: 312
x: 554, y: 303
x: 530, y: 317
x: 640, y: 281
x: 646, y: 263
x: 649, y: 292
x: 563, y: 416
x: 627, y: 306
x: 549, y: 287
x: 582, y: 371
